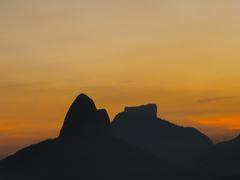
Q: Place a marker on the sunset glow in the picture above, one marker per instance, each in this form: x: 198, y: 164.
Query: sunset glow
x: 183, y: 55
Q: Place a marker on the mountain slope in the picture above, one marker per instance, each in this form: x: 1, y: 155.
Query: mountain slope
x: 141, y: 126
x: 222, y: 160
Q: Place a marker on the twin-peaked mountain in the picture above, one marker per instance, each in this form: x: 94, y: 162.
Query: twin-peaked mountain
x: 85, y: 149
x: 84, y: 118
x: 136, y: 145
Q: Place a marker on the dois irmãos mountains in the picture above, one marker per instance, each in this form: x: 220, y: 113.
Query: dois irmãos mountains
x: 136, y: 145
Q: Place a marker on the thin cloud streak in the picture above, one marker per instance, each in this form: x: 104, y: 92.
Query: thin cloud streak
x: 209, y: 100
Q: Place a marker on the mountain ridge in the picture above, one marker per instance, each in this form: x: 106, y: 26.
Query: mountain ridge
x: 137, y: 144
x: 140, y: 126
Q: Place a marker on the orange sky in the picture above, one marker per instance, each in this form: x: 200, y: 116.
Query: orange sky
x: 181, y: 54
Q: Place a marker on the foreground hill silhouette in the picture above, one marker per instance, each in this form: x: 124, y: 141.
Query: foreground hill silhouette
x: 223, y: 160
x: 137, y: 145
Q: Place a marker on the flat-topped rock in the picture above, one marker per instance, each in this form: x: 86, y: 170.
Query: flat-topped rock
x: 150, y: 109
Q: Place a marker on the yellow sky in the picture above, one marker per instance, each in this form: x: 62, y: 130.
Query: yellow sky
x: 183, y: 55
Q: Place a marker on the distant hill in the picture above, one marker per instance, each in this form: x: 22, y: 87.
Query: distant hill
x: 141, y: 126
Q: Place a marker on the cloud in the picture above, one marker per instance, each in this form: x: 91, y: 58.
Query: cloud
x: 209, y: 100
x: 15, y: 84
x: 191, y: 113
x: 34, y: 86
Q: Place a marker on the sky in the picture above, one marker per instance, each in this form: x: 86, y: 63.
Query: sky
x: 183, y: 55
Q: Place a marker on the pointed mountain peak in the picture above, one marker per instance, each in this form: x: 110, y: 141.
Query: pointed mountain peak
x: 84, y: 118
x: 83, y: 103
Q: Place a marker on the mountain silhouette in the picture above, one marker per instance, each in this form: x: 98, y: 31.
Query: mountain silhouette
x: 141, y: 126
x: 84, y: 118
x: 223, y: 160
x: 136, y: 145
x: 85, y: 149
